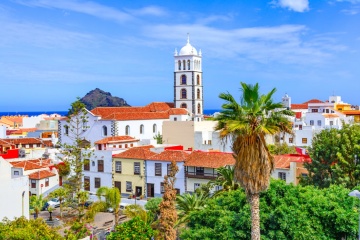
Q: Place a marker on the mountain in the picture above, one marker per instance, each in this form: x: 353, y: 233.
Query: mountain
x: 99, y: 98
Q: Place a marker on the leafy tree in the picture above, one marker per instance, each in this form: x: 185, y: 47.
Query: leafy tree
x: 37, y: 203
x: 153, y: 207
x: 279, y: 149
x: 288, y: 212
x: 23, y: 229
x: 132, y: 229
x: 335, y: 155
x: 135, y: 210
x: 246, y: 124
x: 60, y: 193
x: 168, y: 214
x: 187, y: 203
x: 112, y: 199
x: 159, y: 138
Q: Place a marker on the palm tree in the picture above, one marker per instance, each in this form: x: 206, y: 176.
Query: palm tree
x: 133, y: 210
x: 246, y: 124
x: 225, y: 179
x: 60, y: 193
x: 187, y: 203
x: 37, y: 203
x: 112, y: 199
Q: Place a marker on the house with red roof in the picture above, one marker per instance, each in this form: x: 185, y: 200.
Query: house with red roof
x: 158, y: 165
x: 290, y: 167
x: 141, y: 123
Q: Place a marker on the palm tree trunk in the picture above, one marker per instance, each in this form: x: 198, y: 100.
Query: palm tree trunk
x: 255, y: 216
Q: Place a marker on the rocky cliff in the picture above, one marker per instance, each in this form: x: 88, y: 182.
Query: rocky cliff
x: 99, y: 98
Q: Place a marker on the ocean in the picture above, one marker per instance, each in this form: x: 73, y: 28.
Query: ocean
x: 64, y: 113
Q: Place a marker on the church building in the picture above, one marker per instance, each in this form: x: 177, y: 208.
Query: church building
x: 188, y: 86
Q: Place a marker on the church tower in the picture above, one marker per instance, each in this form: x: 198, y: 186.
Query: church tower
x: 188, y: 85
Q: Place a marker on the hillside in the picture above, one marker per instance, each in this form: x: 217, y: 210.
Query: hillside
x: 99, y: 98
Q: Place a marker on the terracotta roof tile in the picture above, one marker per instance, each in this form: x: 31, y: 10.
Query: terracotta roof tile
x: 137, y: 116
x: 23, y: 140
x: 305, y: 105
x: 31, y: 164
x: 283, y: 161
x: 170, y: 155
x: 351, y: 112
x: 142, y: 153
x: 41, y: 174
x: 209, y: 159
x: 178, y: 111
x: 116, y: 139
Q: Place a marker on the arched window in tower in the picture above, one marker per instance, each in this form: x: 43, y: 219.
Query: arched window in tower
x: 66, y: 129
x: 188, y: 64
x: 179, y: 64
x: 198, y: 80
x: 199, y: 64
x: 199, y: 108
x: 104, y: 130
x: 198, y: 93
x: 184, y: 64
x: 154, y: 128
x: 183, y: 105
x: 127, y: 130
x: 141, y: 129
x: 183, y: 80
x: 183, y: 93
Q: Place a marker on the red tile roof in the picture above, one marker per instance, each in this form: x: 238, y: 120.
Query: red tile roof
x: 31, y: 164
x: 351, y: 112
x: 305, y: 105
x: 170, y: 155
x: 41, y: 174
x: 25, y: 141
x: 142, y: 153
x: 209, y: 159
x: 283, y: 161
x: 137, y: 116
x: 117, y: 139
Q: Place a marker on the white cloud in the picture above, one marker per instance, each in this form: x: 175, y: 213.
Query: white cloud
x: 350, y: 1
x: 294, y: 5
x: 148, y: 11
x: 352, y: 11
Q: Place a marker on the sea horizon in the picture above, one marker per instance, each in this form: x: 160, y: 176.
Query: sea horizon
x: 64, y: 113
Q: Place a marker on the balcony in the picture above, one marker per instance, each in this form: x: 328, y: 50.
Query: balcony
x: 202, y: 175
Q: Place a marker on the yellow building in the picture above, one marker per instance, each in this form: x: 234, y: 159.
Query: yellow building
x: 346, y: 109
x: 129, y: 170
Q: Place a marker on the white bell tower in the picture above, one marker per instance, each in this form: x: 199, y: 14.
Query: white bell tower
x: 188, y: 85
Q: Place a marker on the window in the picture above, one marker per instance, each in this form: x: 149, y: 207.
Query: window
x: 127, y: 130
x: 168, y: 169
x: 188, y: 62
x: 331, y: 123
x: 126, y: 145
x: 154, y: 128
x: 184, y: 65
x: 118, y: 166
x: 16, y: 173
x: 291, y: 140
x: 33, y: 183
x: 199, y: 108
x: 120, y: 146
x: 282, y: 176
x: 46, y: 182
x: 198, y: 94
x: 162, y: 187
x: 104, y: 130
x: 319, y: 122
x: 114, y: 146
x: 158, y: 169
x: 175, y: 119
x: 128, y: 186
x: 300, y: 127
x: 141, y: 129
x: 304, y: 140
x: 183, y: 80
x: 183, y: 93
x: 87, y: 183
x: 311, y: 122
x: 314, y: 110
x: 196, y: 186
x: 97, y: 182
x: 100, y: 165
x: 131, y: 144
x: 199, y: 171
x: 136, y: 168
x: 198, y: 80
x: 86, y: 165
x: 183, y: 105
x: 179, y: 64
x: 209, y: 142
x: 66, y: 129
x: 327, y: 110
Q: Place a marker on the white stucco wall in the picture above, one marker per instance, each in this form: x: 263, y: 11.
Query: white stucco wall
x: 2, y: 132
x: 31, y: 122
x: 157, y: 180
x: 53, y: 183
x: 14, y: 198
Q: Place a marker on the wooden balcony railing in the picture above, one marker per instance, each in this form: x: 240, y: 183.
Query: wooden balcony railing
x: 201, y: 175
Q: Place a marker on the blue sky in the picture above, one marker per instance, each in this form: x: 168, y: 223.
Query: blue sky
x: 52, y: 51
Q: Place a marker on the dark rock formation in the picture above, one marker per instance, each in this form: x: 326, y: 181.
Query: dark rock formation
x: 99, y: 98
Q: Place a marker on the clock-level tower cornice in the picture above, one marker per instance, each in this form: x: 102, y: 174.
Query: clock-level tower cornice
x: 188, y: 82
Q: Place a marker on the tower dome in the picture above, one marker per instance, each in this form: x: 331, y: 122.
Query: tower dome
x: 188, y: 49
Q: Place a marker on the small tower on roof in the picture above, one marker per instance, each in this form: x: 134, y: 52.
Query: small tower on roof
x: 188, y: 85
x: 286, y: 101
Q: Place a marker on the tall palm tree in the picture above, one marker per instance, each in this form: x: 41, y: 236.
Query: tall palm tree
x: 225, y: 179
x: 112, y: 199
x: 246, y: 124
x: 37, y: 203
x: 60, y: 193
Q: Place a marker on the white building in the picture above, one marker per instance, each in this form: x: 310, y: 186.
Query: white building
x: 157, y: 166
x: 188, y: 82
x: 14, y: 198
